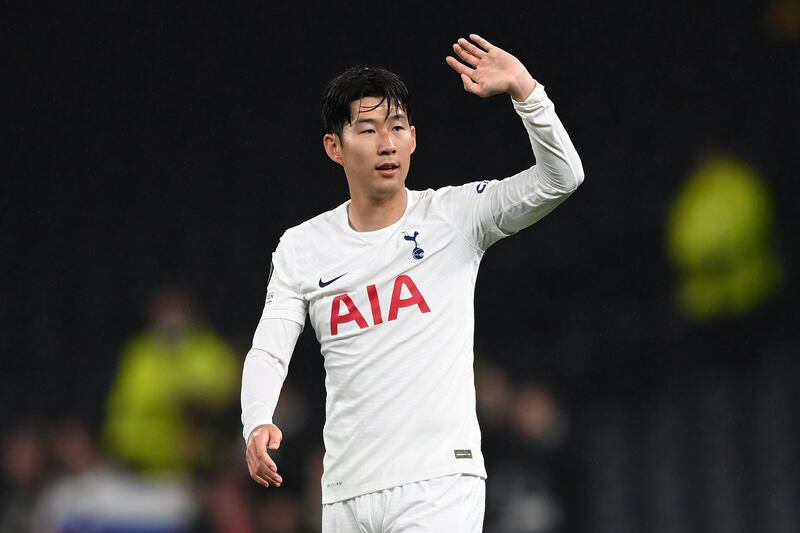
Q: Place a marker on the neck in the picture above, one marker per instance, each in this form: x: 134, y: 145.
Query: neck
x: 370, y: 214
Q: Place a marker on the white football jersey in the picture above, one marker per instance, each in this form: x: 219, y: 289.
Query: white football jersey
x: 393, y: 312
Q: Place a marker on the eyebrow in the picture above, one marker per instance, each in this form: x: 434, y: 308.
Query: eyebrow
x: 396, y: 116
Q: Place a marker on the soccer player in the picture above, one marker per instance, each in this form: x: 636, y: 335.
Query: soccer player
x: 387, y: 280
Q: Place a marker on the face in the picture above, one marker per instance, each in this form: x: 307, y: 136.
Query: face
x: 375, y: 149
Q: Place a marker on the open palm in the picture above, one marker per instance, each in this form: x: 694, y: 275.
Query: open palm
x: 489, y: 69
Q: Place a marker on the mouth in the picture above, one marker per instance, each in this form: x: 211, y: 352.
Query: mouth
x: 388, y: 169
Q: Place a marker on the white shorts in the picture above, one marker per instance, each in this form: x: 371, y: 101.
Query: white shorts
x: 450, y: 504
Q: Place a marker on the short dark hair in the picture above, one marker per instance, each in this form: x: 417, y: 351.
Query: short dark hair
x: 356, y: 83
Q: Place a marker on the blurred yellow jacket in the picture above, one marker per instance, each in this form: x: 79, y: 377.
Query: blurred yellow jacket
x: 165, y: 398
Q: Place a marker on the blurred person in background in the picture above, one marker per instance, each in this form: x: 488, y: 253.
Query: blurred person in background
x: 91, y: 496
x: 279, y: 512
x: 720, y: 238
x: 24, y: 469
x: 230, y: 505
x: 227, y: 502
x: 533, y: 484
x: 173, y: 385
x: 312, y: 494
x: 493, y: 391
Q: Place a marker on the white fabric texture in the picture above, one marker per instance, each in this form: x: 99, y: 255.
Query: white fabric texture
x: 393, y: 312
x: 441, y: 505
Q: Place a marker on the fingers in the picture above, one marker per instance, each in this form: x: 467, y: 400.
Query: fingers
x: 267, y: 468
x: 260, y: 480
x: 262, y: 468
x: 471, y: 55
x: 486, y: 71
x: 486, y: 45
x: 465, y: 55
x: 458, y: 66
x: 263, y: 458
x: 470, y: 86
x: 471, y: 48
x: 465, y: 73
x: 266, y: 477
x: 266, y: 480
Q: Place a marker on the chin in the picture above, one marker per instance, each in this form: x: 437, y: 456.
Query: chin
x: 387, y: 187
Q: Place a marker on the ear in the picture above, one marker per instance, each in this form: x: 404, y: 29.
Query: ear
x: 333, y: 147
x: 413, y: 139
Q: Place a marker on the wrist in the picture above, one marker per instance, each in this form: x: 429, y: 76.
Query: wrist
x: 522, y: 87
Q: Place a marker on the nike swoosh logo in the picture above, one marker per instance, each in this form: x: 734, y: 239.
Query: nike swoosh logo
x: 326, y: 283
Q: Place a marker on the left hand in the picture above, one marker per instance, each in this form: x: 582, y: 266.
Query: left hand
x: 262, y: 468
x: 490, y: 70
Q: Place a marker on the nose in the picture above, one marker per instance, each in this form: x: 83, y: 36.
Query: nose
x: 386, y: 146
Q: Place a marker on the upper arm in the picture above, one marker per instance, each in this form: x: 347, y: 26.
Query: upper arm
x: 468, y: 208
x: 274, y: 342
x: 284, y: 298
x: 487, y: 211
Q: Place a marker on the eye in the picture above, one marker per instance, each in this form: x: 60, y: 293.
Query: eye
x: 370, y: 130
x: 398, y: 128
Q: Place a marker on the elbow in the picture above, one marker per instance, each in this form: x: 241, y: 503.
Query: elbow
x: 565, y: 178
x: 574, y: 175
x: 569, y: 181
x: 573, y: 167
x: 577, y: 179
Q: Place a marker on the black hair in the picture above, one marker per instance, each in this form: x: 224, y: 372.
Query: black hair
x: 356, y: 83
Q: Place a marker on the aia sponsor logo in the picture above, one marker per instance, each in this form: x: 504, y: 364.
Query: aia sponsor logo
x: 344, y: 309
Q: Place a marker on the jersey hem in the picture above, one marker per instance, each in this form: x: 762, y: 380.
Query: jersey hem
x: 331, y: 495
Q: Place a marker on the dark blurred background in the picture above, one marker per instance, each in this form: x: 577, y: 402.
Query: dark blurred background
x: 636, y: 350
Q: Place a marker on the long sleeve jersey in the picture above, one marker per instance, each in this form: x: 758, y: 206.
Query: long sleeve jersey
x: 393, y: 312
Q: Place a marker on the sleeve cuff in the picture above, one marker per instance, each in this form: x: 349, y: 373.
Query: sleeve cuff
x: 534, y: 100
x: 253, y: 416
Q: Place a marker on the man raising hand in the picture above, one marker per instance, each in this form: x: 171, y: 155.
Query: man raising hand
x: 387, y: 280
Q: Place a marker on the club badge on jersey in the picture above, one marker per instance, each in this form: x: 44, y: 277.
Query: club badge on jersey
x: 417, y: 252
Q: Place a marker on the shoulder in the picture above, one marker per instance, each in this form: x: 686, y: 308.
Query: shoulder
x: 207, y: 338
x: 142, y: 343
x: 458, y: 194
x: 303, y: 247
x: 313, y: 228
x: 433, y: 196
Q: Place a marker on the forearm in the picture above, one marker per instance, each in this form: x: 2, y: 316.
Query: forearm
x: 523, y: 199
x: 262, y: 380
x: 557, y: 161
x: 265, y: 369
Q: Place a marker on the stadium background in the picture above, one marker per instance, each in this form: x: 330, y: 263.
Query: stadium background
x: 156, y: 144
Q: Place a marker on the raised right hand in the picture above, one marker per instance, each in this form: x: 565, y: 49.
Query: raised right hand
x: 262, y: 468
x: 488, y: 69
